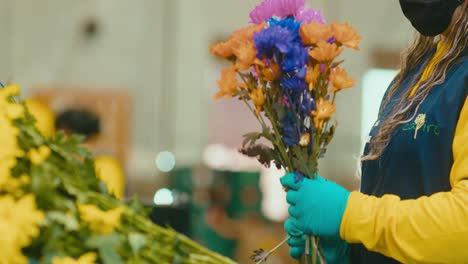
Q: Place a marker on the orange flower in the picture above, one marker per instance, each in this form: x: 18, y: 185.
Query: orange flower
x: 246, y: 55
x: 271, y: 73
x: 340, y: 80
x: 325, y: 52
x: 248, y: 32
x: 315, y: 32
x: 228, y: 83
x: 222, y: 49
x: 325, y: 109
x: 312, y: 76
x: 228, y: 48
x: 257, y: 98
x: 346, y: 35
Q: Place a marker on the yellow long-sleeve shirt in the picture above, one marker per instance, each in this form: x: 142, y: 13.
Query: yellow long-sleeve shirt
x: 426, y: 230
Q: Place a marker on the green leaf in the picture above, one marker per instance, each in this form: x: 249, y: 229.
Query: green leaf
x: 336, y: 64
x: 138, y: 207
x: 279, y: 110
x: 251, y: 138
x: 107, y: 246
x: 303, y: 162
x: 68, y: 221
x: 137, y: 241
x: 261, y: 152
x: 43, y: 183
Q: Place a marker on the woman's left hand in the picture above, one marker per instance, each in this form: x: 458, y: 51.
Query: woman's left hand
x: 316, y: 206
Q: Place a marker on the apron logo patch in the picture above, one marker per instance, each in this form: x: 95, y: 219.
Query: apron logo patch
x: 420, y: 121
x: 420, y: 124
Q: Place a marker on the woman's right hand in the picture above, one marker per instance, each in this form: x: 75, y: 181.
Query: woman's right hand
x: 335, y: 250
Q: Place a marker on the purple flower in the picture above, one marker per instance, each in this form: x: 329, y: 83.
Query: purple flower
x: 284, y: 8
x: 275, y: 8
x: 307, y: 15
x: 322, y: 68
x: 286, y: 101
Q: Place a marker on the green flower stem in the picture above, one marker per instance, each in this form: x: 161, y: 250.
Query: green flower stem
x: 279, y: 143
x: 143, y: 224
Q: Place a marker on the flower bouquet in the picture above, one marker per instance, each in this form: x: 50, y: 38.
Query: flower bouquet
x: 285, y: 69
x: 53, y: 208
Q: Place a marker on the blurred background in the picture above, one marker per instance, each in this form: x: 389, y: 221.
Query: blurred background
x: 137, y: 79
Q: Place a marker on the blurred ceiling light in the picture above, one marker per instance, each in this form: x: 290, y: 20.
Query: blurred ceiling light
x: 165, y: 161
x: 163, y: 197
x: 220, y: 157
x: 216, y: 156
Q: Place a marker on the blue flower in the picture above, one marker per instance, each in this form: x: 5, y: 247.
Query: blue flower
x: 290, y: 24
x: 293, y: 83
x: 281, y: 41
x: 289, y: 131
x: 308, y: 104
x: 296, y: 58
x: 298, y: 177
x: 273, y: 41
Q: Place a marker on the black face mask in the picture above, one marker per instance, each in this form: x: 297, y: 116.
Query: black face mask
x: 430, y: 17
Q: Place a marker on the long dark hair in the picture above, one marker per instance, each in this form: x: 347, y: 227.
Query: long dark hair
x: 407, y: 107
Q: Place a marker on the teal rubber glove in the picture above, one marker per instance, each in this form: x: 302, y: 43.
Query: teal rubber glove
x: 335, y: 250
x: 316, y: 205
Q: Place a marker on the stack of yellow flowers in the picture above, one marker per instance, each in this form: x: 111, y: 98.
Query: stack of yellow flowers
x: 53, y: 208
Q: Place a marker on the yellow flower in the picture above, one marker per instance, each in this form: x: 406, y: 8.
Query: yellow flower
x: 8, y: 135
x: 312, y: 76
x: 12, y: 89
x: 305, y: 140
x: 346, y: 35
x: 340, y: 80
x: 228, y: 83
x: 45, y: 117
x: 88, y: 258
x: 325, y: 52
x: 325, y: 110
x: 9, y: 90
x: 109, y: 171
x: 38, y: 155
x: 6, y: 164
x: 258, y: 99
x: 10, y: 253
x: 315, y: 32
x: 100, y: 222
x: 14, y: 111
x: 19, y: 224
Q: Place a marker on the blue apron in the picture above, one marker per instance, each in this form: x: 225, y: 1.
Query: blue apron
x: 418, y: 160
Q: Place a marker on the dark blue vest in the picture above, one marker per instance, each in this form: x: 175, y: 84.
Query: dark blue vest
x: 418, y: 163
